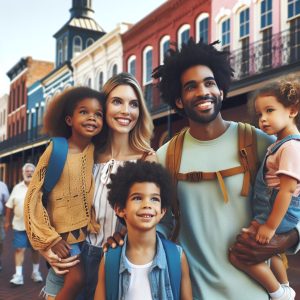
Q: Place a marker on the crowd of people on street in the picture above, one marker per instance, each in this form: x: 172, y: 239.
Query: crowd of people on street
x: 209, y: 215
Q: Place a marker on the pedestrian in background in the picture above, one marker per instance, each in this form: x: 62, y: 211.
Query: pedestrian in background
x: 15, y: 206
x: 4, y: 194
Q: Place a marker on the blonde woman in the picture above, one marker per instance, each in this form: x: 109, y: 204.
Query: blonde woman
x: 130, y: 129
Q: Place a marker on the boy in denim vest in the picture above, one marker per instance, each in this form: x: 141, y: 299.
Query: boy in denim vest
x: 140, y: 194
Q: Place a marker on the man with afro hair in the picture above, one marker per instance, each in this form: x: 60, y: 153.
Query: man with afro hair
x: 194, y: 81
x: 140, y: 193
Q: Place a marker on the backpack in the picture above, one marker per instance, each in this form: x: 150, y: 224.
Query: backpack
x: 55, y: 167
x: 112, y: 266
x: 247, y: 156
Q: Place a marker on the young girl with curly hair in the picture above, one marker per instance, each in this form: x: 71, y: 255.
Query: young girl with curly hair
x: 276, y: 201
x: 62, y: 226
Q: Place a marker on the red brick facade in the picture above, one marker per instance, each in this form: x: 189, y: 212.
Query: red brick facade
x: 26, y: 73
x: 165, y: 20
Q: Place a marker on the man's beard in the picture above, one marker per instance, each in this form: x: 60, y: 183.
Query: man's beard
x: 192, y: 113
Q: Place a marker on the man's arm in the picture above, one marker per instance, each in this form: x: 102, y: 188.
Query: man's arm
x: 248, y: 251
x: 8, y: 216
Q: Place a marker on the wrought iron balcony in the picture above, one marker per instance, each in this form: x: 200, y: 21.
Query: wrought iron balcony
x: 22, y: 140
x: 276, y: 51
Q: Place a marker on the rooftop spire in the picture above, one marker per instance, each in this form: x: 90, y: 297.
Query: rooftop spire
x: 81, y: 8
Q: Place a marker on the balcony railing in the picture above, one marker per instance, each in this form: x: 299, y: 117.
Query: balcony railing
x: 279, y: 50
x: 23, y: 139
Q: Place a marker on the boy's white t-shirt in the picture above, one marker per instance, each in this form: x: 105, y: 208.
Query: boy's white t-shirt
x: 139, y: 287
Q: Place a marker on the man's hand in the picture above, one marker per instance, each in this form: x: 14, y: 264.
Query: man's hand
x: 116, y: 240
x: 62, y: 249
x: 59, y: 265
x: 250, y: 252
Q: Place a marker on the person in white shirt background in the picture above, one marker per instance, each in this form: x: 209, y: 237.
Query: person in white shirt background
x: 15, y: 207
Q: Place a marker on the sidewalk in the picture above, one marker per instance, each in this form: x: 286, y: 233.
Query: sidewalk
x: 31, y: 290
x: 28, y: 291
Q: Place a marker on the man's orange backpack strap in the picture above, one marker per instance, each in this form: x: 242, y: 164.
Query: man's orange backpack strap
x: 247, y: 156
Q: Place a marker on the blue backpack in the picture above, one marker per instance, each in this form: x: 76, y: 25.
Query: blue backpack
x: 112, y: 266
x: 55, y: 166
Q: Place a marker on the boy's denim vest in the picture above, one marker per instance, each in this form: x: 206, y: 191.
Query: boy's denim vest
x: 158, y: 276
x: 264, y: 196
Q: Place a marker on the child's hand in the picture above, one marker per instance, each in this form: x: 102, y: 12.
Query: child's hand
x: 264, y: 234
x: 62, y: 249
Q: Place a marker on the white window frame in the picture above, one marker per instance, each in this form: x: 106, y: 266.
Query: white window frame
x: 146, y: 50
x: 181, y: 30
x: 65, y: 48
x: 75, y: 51
x: 60, y: 52
x: 165, y: 39
x: 129, y: 61
x: 200, y: 18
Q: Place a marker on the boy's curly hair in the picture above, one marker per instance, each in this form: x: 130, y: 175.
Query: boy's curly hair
x: 64, y: 105
x: 141, y: 171
x: 191, y: 54
x: 285, y: 90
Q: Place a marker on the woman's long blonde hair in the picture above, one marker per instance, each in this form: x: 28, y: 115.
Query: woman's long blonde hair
x: 140, y: 135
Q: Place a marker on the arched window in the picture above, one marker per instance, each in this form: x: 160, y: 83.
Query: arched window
x: 77, y: 45
x: 131, y: 65
x: 202, y: 28
x: 164, y: 46
x: 100, y: 80
x: 65, y: 48
x: 147, y: 65
x: 244, y: 23
x: 114, y: 70
x: 60, y: 53
x: 225, y: 31
x: 89, y: 42
x: 183, y: 34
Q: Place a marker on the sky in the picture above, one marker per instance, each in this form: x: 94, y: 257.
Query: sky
x: 27, y: 26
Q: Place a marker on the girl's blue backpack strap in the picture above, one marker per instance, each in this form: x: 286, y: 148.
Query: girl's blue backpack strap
x: 286, y: 139
x: 174, y: 265
x: 112, y: 267
x: 55, y: 166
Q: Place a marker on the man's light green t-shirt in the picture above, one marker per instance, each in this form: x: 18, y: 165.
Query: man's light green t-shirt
x: 209, y: 226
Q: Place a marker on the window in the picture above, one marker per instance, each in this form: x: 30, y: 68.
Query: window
x: 244, y: 23
x: 77, y: 45
x: 131, y: 65
x: 65, y: 48
x: 114, y: 70
x: 89, y: 42
x: 183, y: 34
x: 60, y: 53
x: 89, y: 82
x: 202, y: 28
x: 265, y: 23
x: 100, y: 80
x: 266, y: 13
x: 164, y: 46
x: 225, y: 33
x: 293, y: 8
x: 147, y: 65
x: 294, y: 37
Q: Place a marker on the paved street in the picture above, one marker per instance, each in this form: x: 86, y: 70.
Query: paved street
x: 30, y: 290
